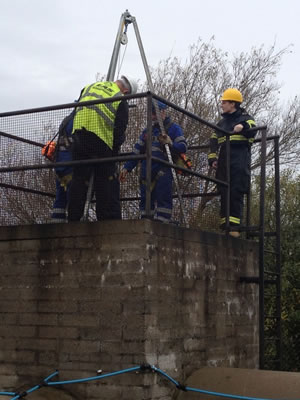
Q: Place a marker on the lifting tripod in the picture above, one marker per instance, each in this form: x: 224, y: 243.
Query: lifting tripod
x: 121, y: 38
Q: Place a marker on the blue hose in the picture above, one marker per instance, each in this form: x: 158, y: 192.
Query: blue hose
x: 94, y: 378
x: 232, y: 396
x: 190, y: 389
x: 143, y: 368
x: 34, y: 388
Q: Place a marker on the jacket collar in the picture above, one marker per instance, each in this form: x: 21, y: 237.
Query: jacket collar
x: 166, y: 122
x: 232, y: 115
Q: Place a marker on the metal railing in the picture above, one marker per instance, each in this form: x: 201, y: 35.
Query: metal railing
x: 27, y: 180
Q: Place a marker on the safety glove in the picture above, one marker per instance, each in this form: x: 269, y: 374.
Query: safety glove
x: 49, y: 150
x: 163, y: 139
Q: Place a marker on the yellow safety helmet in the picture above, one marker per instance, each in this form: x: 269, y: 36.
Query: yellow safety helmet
x: 232, y: 94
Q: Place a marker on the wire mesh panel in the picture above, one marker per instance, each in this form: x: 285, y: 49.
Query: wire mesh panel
x: 27, y: 194
x: 28, y: 190
x: 30, y: 182
x: 129, y: 190
x: 202, y: 210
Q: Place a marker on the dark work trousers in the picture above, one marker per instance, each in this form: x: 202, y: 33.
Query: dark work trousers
x: 87, y: 145
x: 161, y: 195
x: 239, y: 181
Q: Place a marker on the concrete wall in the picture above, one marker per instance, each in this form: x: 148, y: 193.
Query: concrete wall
x: 82, y: 297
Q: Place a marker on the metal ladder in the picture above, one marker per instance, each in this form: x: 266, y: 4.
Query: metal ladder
x: 270, y: 284
x: 269, y: 279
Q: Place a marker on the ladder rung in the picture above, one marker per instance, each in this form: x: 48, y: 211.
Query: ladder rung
x: 268, y: 234
x: 253, y: 234
x: 270, y: 281
x: 269, y: 296
x: 271, y: 272
x: 271, y: 252
x: 248, y: 229
x: 274, y: 360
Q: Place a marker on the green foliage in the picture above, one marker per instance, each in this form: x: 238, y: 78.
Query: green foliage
x: 290, y: 263
x: 290, y: 257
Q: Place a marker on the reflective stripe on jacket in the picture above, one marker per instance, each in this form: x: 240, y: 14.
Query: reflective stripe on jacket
x: 98, y: 118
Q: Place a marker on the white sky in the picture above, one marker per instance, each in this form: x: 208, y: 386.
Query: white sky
x: 50, y: 49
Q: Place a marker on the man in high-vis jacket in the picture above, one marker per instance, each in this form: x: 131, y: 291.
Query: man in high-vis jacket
x: 98, y: 132
x: 237, y: 121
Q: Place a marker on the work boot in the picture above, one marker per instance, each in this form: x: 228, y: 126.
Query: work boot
x: 235, y: 234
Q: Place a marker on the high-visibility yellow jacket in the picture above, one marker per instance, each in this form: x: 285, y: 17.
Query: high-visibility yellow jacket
x: 98, y: 118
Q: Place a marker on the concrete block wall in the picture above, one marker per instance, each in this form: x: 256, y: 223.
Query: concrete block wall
x: 111, y: 295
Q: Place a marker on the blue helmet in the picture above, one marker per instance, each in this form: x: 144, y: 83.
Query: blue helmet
x: 161, y: 105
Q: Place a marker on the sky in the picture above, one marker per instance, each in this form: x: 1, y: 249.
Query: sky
x: 50, y: 49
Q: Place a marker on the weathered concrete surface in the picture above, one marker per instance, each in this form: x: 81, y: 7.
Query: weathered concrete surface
x: 112, y: 295
x: 243, y: 382
x: 50, y: 394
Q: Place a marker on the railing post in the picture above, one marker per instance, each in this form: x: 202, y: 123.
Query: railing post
x: 277, y: 250
x: 261, y: 249
x: 149, y: 156
x: 248, y: 199
x: 228, y: 181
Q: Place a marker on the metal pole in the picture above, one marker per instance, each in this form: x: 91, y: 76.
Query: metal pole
x: 227, y: 222
x: 115, y: 54
x: 20, y: 139
x: 278, y: 253
x: 168, y: 152
x: 248, y: 197
x: 261, y: 250
x: 148, y: 157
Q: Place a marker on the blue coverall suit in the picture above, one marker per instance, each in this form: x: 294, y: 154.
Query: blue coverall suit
x: 161, y: 176
x: 63, y: 174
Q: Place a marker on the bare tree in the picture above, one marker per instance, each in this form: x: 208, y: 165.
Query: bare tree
x: 27, y: 195
x: 197, y: 83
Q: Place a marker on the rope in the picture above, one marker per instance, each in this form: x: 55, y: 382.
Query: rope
x: 120, y: 61
x: 142, y: 368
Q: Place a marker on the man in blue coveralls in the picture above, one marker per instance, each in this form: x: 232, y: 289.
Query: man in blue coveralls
x: 161, y: 175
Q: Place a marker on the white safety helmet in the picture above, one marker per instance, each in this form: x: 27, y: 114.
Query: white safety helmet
x: 132, y: 83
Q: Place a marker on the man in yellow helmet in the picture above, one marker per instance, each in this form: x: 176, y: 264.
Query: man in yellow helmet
x: 238, y: 122
x: 98, y: 132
